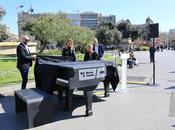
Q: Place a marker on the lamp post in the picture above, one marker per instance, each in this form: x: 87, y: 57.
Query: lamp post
x: 31, y: 9
x: 154, y: 32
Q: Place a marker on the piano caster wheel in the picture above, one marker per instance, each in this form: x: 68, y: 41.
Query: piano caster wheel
x: 107, y: 95
x: 89, y: 113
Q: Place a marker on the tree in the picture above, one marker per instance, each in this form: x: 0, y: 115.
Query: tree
x: 124, y: 26
x: 134, y: 33
x: 108, y: 34
x: 116, y: 36
x: 2, y: 12
x: 102, y: 36
x: 81, y: 36
x: 56, y: 28
x: 148, y: 21
x: 3, y: 32
x: 48, y: 28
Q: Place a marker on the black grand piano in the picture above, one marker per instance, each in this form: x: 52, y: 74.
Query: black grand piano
x: 52, y: 72
x: 83, y: 76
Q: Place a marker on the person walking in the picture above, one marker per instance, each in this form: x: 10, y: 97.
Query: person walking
x: 24, y: 60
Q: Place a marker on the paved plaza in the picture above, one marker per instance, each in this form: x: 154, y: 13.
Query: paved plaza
x: 142, y: 107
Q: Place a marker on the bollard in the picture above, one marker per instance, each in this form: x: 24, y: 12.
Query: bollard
x: 124, y: 58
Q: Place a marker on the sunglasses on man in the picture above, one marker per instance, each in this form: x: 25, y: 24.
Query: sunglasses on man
x: 27, y: 40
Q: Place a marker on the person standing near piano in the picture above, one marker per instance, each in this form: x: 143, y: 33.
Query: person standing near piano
x: 90, y: 54
x: 68, y: 50
x: 98, y: 48
x: 24, y: 60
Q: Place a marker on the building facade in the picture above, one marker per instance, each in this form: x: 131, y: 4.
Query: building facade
x: 110, y: 18
x: 90, y: 20
x: 75, y: 19
x: 86, y: 19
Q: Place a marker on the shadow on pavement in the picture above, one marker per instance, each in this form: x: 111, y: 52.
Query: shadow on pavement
x: 173, y: 125
x: 78, y: 101
x: 171, y: 87
x: 12, y: 121
x: 172, y: 72
x: 8, y: 118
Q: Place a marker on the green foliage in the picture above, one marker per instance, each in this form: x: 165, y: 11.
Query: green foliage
x: 134, y: 33
x: 144, y: 48
x: 107, y: 57
x: 128, y: 30
x: 56, y: 28
x: 108, y: 34
x: 103, y: 36
x: 125, y: 28
x: 116, y: 59
x: 137, y: 49
x: 80, y: 57
x: 50, y: 53
x: 10, y: 74
x: 2, y: 12
x: 81, y: 36
x: 3, y: 32
x: 48, y: 28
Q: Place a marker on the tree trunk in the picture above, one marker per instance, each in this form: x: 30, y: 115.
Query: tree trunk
x: 43, y: 44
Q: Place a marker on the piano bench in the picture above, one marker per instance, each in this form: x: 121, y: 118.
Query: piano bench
x: 37, y: 104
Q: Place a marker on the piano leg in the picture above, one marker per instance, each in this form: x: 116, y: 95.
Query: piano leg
x: 106, y: 88
x: 88, y: 99
x: 60, y: 91
x: 69, y: 95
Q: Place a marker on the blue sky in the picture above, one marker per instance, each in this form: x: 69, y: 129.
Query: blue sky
x: 137, y: 11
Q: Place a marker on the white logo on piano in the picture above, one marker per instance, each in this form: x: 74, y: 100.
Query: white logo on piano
x: 87, y: 74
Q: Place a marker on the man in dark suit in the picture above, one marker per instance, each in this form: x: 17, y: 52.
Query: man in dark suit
x: 24, y: 60
x: 98, y: 48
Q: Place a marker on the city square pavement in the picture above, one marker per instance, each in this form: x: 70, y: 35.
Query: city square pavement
x: 142, y: 107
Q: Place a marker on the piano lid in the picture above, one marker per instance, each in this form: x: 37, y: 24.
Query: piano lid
x: 83, y: 64
x: 53, y: 60
x: 62, y: 62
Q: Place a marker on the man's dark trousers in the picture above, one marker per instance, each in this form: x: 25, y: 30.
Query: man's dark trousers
x: 24, y: 75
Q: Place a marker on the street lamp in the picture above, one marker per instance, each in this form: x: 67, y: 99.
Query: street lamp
x: 31, y: 9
